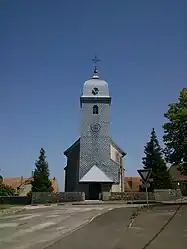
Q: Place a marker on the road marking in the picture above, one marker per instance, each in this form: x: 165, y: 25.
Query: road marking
x: 97, y: 215
x: 131, y: 223
x: 138, y: 228
x: 13, y: 216
x: 28, y: 230
x: 5, y: 225
x: 39, y: 227
x: 61, y: 228
x: 53, y: 216
x: 29, y: 217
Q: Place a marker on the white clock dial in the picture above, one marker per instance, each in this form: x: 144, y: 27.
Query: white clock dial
x: 95, y: 127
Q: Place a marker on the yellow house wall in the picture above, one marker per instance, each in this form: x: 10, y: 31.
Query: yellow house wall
x: 116, y: 156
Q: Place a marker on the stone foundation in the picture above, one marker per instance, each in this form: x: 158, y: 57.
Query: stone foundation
x: 43, y: 198
x: 167, y: 194
x: 127, y: 196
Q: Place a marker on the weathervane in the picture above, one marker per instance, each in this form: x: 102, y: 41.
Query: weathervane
x: 95, y: 61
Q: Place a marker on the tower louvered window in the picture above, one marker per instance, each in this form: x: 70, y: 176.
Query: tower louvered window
x: 95, y: 109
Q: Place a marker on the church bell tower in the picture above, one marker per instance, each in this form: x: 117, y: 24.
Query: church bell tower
x: 95, y: 163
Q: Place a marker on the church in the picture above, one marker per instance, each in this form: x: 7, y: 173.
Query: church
x: 94, y: 161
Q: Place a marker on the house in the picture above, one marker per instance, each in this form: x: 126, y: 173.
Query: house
x: 23, y: 186
x: 132, y: 184
x: 178, y: 178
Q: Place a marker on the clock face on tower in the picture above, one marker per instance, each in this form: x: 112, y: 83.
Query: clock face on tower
x: 95, y: 91
x: 95, y: 127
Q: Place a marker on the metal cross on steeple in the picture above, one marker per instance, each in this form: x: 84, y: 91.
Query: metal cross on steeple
x: 95, y: 61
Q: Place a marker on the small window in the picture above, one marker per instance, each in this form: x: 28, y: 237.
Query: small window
x: 95, y: 109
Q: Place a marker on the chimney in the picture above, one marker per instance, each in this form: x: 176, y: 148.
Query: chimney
x: 21, y: 179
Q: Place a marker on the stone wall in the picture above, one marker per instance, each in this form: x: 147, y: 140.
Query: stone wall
x: 129, y: 196
x: 15, y: 200
x: 167, y: 194
x: 44, y: 198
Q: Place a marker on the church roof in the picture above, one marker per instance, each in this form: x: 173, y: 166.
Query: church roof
x: 95, y: 87
x: 76, y: 143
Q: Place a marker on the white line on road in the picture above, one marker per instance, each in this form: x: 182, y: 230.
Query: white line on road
x: 137, y: 228
x: 131, y: 223
x: 39, y: 227
x: 28, y: 230
x: 97, y: 215
x: 29, y: 217
x: 5, y: 225
x: 53, y: 216
x: 13, y: 216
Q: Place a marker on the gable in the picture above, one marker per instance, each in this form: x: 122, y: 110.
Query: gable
x: 95, y: 175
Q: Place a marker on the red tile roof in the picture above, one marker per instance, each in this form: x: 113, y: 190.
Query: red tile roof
x: 176, y: 174
x: 16, y: 182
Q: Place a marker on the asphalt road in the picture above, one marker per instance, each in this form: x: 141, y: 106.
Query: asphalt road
x: 174, y: 234
x: 159, y: 228
x: 36, y: 228
x: 90, y: 227
x: 104, y: 232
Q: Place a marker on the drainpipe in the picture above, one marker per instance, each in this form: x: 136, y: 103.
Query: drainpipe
x: 122, y: 176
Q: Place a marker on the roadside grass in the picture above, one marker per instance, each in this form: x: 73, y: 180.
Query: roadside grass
x: 7, y: 206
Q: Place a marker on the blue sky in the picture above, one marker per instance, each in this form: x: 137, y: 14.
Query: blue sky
x: 46, y: 49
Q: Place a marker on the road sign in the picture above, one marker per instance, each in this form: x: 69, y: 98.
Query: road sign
x: 148, y: 180
x: 144, y: 174
x: 145, y: 185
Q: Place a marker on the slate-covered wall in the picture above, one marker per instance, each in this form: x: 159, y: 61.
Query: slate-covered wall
x: 72, y: 170
x: 95, y: 146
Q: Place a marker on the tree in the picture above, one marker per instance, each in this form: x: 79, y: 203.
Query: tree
x: 154, y: 160
x: 6, y: 190
x: 175, y: 137
x: 41, y: 181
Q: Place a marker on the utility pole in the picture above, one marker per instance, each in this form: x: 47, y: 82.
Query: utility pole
x: 1, y: 181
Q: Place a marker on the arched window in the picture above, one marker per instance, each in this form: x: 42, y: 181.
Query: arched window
x: 95, y: 109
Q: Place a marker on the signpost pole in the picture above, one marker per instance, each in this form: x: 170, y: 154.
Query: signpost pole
x: 1, y: 181
x: 147, y: 197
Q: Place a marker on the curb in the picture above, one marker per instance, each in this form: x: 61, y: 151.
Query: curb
x: 11, y: 211
x: 114, y: 203
x: 172, y: 203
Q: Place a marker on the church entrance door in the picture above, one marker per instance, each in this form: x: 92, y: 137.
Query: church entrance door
x: 94, y: 190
